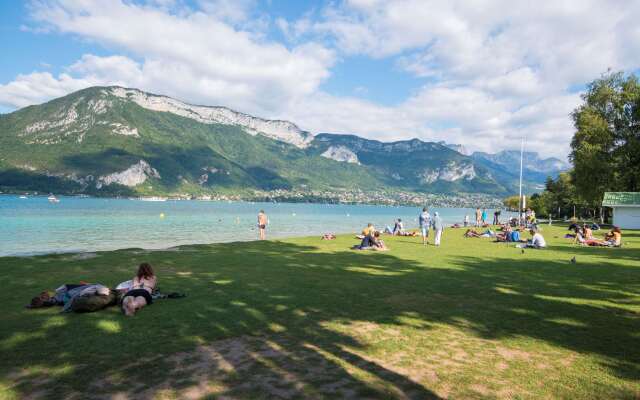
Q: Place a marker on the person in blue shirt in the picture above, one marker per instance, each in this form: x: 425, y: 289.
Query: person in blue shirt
x: 424, y: 220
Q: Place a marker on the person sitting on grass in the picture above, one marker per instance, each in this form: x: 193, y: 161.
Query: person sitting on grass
x: 614, y: 237
x: 140, y: 293
x: 505, y: 235
x: 377, y: 243
x: 368, y: 230
x: 587, y: 232
x: 398, y: 228
x: 580, y: 238
x: 537, y: 240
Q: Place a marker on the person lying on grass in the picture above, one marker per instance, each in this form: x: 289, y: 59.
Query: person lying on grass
x: 471, y: 233
x: 140, y: 293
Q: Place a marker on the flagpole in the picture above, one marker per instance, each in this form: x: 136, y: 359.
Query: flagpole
x: 520, y: 194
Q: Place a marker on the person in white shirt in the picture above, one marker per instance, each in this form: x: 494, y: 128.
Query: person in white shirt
x: 537, y: 241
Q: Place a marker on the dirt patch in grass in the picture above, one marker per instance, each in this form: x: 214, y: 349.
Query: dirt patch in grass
x: 241, y: 367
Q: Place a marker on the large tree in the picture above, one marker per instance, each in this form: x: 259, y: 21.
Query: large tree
x: 606, y: 145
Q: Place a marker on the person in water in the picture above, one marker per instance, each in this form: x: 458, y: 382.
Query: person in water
x: 140, y: 293
x: 263, y: 221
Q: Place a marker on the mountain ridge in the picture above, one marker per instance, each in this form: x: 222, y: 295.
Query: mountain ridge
x: 101, y: 139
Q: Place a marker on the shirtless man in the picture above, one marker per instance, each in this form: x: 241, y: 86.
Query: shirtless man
x: 262, y: 224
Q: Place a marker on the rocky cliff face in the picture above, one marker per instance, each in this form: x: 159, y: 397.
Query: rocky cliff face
x: 132, y: 176
x: 280, y: 130
x: 341, y: 153
x: 450, y: 173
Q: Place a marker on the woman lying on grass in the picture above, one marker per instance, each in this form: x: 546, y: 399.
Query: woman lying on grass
x: 140, y: 293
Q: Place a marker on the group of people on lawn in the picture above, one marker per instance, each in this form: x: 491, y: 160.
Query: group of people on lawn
x: 370, y: 237
x: 510, y: 231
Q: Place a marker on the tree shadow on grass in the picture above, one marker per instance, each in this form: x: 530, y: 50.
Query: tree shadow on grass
x: 255, y: 323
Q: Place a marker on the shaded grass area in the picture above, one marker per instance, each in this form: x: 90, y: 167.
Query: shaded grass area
x: 309, y: 318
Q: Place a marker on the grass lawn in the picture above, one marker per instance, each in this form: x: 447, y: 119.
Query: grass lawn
x: 305, y: 318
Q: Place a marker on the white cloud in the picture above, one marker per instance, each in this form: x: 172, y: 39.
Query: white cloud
x: 190, y: 54
x: 39, y: 87
x: 497, y: 70
x: 502, y: 69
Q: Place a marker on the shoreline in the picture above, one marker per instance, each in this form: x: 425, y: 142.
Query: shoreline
x: 360, y: 198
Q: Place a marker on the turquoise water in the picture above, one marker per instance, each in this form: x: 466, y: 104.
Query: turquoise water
x: 36, y: 226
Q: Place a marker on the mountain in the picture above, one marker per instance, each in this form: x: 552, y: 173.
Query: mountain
x: 534, y: 168
x: 456, y: 147
x: 114, y: 140
x: 411, y: 164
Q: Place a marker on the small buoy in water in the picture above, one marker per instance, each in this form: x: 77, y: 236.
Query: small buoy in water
x: 161, y: 215
x: 293, y: 214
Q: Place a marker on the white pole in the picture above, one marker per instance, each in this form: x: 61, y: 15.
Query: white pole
x: 520, y: 195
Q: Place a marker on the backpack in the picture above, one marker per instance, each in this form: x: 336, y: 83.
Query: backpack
x: 515, y: 236
x: 93, y: 302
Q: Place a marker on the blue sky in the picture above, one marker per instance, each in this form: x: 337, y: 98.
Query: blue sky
x: 482, y: 74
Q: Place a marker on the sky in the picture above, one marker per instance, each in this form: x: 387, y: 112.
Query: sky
x: 474, y: 72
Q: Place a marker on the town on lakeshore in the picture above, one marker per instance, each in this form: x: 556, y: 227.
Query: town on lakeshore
x: 322, y: 199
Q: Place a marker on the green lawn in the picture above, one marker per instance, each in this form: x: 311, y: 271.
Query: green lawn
x: 305, y: 318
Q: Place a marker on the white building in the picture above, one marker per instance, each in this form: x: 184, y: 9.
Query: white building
x: 626, y: 208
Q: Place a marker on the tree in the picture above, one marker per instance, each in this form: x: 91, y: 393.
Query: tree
x: 512, y: 202
x: 605, y: 150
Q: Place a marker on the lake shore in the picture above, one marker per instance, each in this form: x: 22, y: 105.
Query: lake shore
x: 37, y: 226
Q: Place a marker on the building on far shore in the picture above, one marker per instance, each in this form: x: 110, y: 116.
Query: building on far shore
x: 626, y: 208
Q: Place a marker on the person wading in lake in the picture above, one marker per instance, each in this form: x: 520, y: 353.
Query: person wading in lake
x: 262, y: 224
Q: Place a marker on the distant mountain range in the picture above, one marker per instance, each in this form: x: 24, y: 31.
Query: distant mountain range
x: 113, y: 140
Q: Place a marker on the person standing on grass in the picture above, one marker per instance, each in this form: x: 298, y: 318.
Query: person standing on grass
x: 424, y: 220
x: 484, y: 216
x: 496, y: 217
x: 262, y: 224
x: 466, y: 220
x: 478, y: 217
x: 438, y: 227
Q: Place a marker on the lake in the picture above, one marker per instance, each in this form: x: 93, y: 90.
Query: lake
x: 36, y: 226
